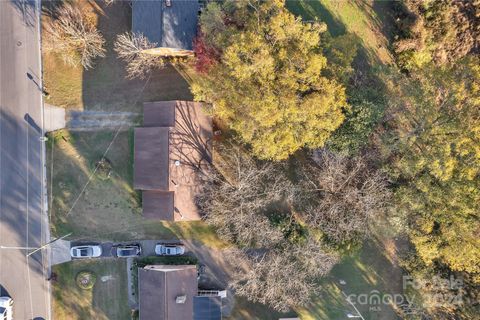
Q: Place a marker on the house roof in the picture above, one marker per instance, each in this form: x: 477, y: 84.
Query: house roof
x: 151, y: 158
x: 161, y: 290
x: 207, y: 308
x: 158, y: 205
x: 159, y: 114
x: 173, y: 26
x: 186, y: 150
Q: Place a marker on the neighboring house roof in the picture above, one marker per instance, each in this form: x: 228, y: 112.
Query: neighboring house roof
x: 207, y: 308
x: 167, y: 292
x: 169, y: 160
x: 173, y: 26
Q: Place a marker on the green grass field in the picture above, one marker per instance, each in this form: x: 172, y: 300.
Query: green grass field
x: 364, y: 273
x: 369, y: 20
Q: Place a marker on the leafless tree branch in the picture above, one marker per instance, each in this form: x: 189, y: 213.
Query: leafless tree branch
x: 131, y: 47
x: 235, y: 195
x: 341, y: 195
x: 74, y: 37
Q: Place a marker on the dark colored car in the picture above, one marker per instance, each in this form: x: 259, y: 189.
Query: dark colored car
x: 130, y: 250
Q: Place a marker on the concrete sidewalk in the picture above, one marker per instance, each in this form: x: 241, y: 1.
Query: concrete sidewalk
x: 54, y: 118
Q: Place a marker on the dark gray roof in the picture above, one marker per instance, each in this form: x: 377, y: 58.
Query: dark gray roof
x: 172, y: 27
x: 207, y: 308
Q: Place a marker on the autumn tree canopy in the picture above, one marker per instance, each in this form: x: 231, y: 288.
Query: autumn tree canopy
x: 442, y: 31
x: 268, y: 82
x: 436, y: 159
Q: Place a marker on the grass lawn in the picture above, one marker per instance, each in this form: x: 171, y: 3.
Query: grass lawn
x: 367, y: 272
x: 365, y: 19
x: 97, y: 208
x: 363, y: 273
x: 105, y: 87
x: 246, y: 310
x: 107, y: 299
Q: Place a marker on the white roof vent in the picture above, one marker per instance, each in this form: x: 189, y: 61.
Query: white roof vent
x: 177, y: 163
x: 181, y: 299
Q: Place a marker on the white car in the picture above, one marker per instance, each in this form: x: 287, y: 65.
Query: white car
x: 6, y: 308
x: 169, y: 249
x: 90, y: 251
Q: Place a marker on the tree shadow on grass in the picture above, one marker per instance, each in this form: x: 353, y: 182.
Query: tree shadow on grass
x: 366, y: 273
x: 311, y: 10
x: 106, y: 88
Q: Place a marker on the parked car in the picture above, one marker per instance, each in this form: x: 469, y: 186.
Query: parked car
x: 6, y: 308
x: 130, y: 250
x: 87, y: 251
x: 169, y: 249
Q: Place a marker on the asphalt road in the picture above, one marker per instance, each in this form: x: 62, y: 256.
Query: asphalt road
x: 23, y: 222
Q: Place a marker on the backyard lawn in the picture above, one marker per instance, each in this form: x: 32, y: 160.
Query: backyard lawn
x: 107, y: 299
x: 367, y: 272
x: 365, y: 19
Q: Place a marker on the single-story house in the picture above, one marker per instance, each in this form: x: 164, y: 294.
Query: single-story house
x: 170, y: 24
x: 170, y: 292
x: 171, y: 149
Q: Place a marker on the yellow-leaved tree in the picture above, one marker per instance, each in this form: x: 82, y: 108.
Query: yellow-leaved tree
x: 436, y: 148
x: 266, y: 77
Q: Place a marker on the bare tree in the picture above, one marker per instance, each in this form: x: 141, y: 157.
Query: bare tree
x: 131, y: 48
x: 341, y: 196
x: 283, y: 278
x: 74, y: 37
x: 235, y: 196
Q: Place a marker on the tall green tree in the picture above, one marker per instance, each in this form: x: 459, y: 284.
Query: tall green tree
x: 436, y: 160
x: 269, y: 80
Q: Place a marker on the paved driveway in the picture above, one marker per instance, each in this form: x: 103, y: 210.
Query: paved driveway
x: 23, y: 221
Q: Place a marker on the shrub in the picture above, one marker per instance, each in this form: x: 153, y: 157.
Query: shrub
x: 85, y: 280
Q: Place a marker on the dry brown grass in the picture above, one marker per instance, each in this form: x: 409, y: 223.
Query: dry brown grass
x: 107, y: 299
x: 105, y: 87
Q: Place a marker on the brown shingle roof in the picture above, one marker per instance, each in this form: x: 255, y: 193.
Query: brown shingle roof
x: 159, y: 114
x: 159, y: 286
x: 151, y: 159
x: 158, y: 205
x: 180, y: 153
x: 190, y: 145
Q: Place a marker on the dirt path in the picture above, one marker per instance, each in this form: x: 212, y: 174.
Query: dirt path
x: 100, y: 120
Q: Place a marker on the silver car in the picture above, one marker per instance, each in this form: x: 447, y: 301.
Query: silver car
x: 127, y: 251
x: 87, y: 251
x: 169, y: 249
